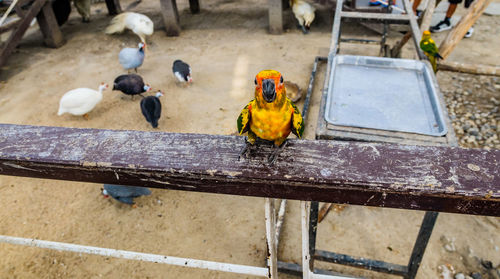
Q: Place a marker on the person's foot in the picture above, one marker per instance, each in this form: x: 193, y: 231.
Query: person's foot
x: 418, y: 13
x: 374, y: 3
x: 469, y: 32
x: 441, y: 26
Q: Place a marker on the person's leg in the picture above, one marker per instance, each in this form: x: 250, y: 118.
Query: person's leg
x: 415, y: 5
x: 451, y: 10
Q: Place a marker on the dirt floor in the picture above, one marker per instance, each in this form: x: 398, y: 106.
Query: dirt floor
x: 226, y: 45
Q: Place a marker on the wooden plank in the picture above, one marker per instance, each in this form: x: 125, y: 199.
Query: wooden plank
x: 52, y: 34
x: 447, y: 179
x: 114, y: 7
x: 476, y: 69
x: 393, y: 18
x: 458, y: 32
x: 275, y: 16
x: 16, y: 36
x: 170, y: 16
x: 194, y: 6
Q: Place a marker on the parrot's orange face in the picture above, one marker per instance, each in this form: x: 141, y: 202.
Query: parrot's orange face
x: 426, y: 34
x: 269, y: 86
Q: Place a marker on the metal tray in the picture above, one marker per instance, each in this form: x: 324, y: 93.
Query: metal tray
x: 384, y: 93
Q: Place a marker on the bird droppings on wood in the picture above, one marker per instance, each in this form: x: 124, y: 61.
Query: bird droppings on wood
x: 473, y: 167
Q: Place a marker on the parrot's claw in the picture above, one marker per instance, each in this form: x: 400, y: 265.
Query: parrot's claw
x: 247, y: 149
x: 272, y: 158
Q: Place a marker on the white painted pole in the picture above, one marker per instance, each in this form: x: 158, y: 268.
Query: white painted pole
x: 279, y: 223
x: 272, y: 260
x: 60, y: 246
x: 306, y: 272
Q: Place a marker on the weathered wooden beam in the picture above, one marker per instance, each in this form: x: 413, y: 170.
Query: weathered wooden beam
x: 476, y: 69
x: 458, y: 32
x: 393, y: 18
x: 170, y: 16
x: 275, y: 16
x: 52, y: 35
x: 114, y: 7
x: 446, y: 179
x: 17, y: 34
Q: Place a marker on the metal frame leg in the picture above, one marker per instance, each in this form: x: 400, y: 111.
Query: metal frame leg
x: 424, y: 234
x: 272, y: 258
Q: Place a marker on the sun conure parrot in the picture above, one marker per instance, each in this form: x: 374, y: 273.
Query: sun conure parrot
x: 271, y: 116
x: 430, y: 49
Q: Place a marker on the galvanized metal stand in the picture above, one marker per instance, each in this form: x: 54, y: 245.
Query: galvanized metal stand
x: 409, y: 271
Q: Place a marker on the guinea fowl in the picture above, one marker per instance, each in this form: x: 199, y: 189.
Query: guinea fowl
x: 125, y: 194
x: 182, y: 71
x: 138, y: 23
x: 151, y: 108
x: 132, y: 58
x: 130, y: 84
x: 80, y: 101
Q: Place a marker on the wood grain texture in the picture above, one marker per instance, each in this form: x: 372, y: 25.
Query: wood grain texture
x: 447, y: 179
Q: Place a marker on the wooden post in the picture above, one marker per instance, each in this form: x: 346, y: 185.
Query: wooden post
x: 52, y: 34
x: 18, y: 33
x: 113, y: 7
x: 194, y: 6
x: 170, y: 16
x: 475, y: 69
x: 458, y: 32
x: 275, y: 16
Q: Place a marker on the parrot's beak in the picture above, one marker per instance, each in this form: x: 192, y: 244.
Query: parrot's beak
x: 268, y: 90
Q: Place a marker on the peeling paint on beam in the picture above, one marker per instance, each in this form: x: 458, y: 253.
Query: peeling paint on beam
x: 446, y: 179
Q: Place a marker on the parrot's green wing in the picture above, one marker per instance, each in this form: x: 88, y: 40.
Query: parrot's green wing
x: 243, y: 121
x: 297, y: 122
x: 430, y: 47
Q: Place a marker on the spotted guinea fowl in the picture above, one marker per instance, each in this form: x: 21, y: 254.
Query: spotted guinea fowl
x: 182, y: 71
x: 132, y: 58
x: 124, y: 194
x: 151, y: 108
x: 130, y: 84
x: 80, y: 101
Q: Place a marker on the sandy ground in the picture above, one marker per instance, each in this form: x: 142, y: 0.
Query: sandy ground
x: 226, y: 45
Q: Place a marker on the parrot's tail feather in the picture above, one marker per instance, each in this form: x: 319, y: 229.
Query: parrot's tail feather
x: 117, y: 24
x: 439, y: 56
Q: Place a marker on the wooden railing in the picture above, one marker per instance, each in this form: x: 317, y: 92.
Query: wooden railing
x: 444, y: 179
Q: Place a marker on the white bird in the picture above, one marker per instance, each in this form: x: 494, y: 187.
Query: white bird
x: 304, y: 13
x: 138, y: 23
x: 80, y: 101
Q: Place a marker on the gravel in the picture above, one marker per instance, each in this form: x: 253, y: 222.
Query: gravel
x: 473, y: 104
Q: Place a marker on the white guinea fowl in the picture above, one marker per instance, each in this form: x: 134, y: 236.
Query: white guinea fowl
x: 138, y: 23
x: 80, y: 101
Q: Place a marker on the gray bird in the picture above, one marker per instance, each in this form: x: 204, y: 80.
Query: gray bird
x: 132, y: 58
x: 124, y: 194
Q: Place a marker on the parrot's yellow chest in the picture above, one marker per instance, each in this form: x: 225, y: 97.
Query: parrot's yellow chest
x: 272, y: 125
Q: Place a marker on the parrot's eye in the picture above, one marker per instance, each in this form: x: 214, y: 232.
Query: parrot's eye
x: 255, y: 81
x: 281, y: 79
